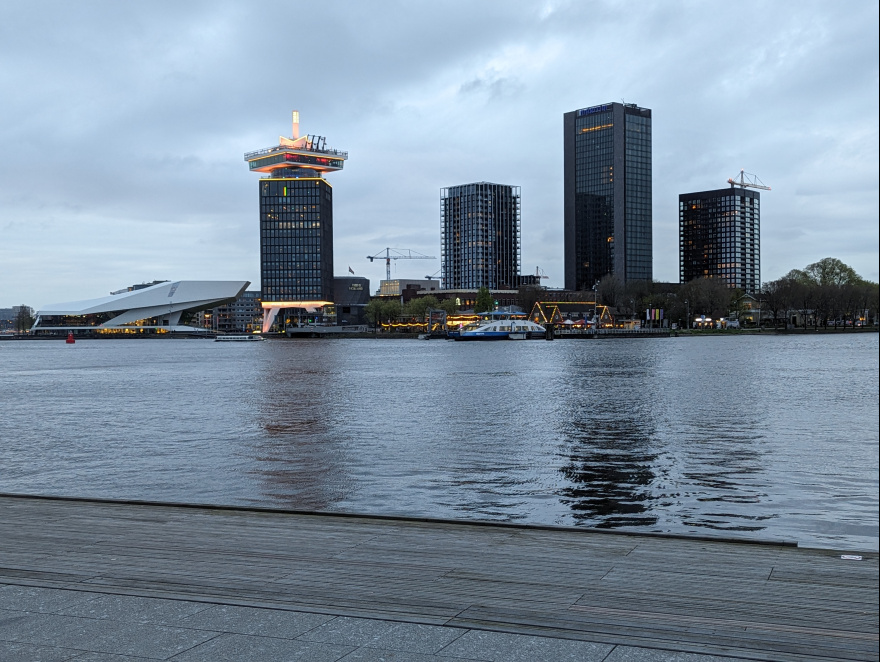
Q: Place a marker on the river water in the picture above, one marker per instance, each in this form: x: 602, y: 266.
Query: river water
x: 757, y: 436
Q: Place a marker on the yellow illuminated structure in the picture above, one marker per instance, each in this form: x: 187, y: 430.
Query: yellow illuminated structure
x: 296, y: 224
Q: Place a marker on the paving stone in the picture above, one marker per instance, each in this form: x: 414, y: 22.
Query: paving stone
x: 248, y: 620
x: 111, y: 636
x: 384, y: 655
x: 133, y: 609
x: 499, y: 646
x: 349, y: 631
x: 16, y: 652
x: 244, y: 648
x: 416, y: 638
x: 40, y: 600
x: 33, y: 628
x: 633, y: 654
x: 108, y: 657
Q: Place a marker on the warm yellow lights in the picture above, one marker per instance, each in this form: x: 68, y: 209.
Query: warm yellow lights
x: 296, y: 304
x: 597, y: 128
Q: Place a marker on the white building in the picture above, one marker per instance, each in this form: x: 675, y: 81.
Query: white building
x: 151, y: 308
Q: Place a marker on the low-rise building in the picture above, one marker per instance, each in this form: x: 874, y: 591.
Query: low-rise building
x: 159, y: 307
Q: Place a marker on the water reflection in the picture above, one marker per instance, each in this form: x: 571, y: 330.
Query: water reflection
x: 297, y: 458
x: 610, y: 475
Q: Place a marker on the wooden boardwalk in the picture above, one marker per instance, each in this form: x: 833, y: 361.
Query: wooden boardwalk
x: 752, y: 601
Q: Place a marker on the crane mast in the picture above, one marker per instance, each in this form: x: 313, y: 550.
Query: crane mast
x: 747, y: 180
x: 398, y: 254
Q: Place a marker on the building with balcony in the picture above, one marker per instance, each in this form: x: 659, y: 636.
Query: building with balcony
x: 720, y: 237
x: 480, y: 236
x: 607, y: 194
x: 296, y: 222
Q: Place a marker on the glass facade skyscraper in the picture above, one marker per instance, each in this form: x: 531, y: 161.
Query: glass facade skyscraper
x: 296, y: 222
x: 296, y: 239
x: 607, y: 189
x: 480, y: 236
x: 720, y: 237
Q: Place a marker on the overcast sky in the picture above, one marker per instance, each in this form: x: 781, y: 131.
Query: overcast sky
x: 124, y: 126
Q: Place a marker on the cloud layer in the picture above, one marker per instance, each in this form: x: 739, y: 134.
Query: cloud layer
x: 124, y: 126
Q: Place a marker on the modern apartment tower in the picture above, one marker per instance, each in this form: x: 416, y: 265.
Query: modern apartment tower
x: 480, y: 236
x: 607, y: 184
x: 296, y: 222
x: 720, y: 237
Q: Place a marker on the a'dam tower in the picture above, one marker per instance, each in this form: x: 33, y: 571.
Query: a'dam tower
x: 296, y: 222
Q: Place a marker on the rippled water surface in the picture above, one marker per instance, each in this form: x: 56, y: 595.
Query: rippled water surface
x: 756, y: 436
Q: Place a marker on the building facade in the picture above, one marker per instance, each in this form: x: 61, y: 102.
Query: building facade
x: 480, y: 236
x: 607, y: 189
x: 296, y: 222
x: 150, y: 308
x: 720, y: 237
x: 244, y: 315
x: 352, y: 294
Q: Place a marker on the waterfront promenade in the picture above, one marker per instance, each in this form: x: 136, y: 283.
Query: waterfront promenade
x: 100, y: 580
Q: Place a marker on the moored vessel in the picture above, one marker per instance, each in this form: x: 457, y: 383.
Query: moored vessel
x: 506, y: 327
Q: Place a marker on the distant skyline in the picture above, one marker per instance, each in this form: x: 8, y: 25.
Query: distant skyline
x: 124, y: 126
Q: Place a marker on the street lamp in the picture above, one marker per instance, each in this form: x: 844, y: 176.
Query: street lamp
x: 688, y: 318
x: 595, y: 306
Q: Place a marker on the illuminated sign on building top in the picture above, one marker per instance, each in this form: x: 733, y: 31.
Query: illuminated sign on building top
x: 594, y: 109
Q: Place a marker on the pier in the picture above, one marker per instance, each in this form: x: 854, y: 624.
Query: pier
x: 182, y: 582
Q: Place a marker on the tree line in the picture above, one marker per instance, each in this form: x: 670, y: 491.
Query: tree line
x: 824, y: 293
x: 386, y: 311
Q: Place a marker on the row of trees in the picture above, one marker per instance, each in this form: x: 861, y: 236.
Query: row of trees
x: 825, y: 293
x: 380, y: 311
x: 822, y: 293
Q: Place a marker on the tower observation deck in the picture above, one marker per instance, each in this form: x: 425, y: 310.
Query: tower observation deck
x: 296, y: 224
x: 297, y: 152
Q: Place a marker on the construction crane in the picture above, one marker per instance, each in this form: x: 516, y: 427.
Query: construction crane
x: 433, y: 275
x: 747, y: 180
x: 539, y: 273
x: 398, y: 254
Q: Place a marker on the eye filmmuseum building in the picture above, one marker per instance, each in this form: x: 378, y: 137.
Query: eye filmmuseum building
x: 607, y: 188
x: 480, y: 236
x: 296, y: 222
x: 720, y: 237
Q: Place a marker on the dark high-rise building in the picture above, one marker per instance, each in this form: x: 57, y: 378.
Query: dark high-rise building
x: 720, y: 237
x: 296, y: 222
x: 480, y: 236
x: 607, y: 182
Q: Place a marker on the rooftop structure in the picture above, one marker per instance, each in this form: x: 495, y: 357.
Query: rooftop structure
x: 308, y: 152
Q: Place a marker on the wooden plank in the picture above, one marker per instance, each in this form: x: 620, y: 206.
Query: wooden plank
x: 756, y: 601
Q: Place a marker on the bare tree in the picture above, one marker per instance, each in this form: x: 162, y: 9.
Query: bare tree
x: 24, y: 318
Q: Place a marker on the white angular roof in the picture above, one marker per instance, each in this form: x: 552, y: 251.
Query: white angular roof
x: 168, y: 300
x: 169, y: 293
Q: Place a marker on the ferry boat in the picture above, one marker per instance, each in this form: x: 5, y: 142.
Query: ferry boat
x: 494, y: 327
x: 250, y: 337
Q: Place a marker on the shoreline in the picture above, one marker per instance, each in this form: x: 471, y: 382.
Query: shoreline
x: 615, y: 334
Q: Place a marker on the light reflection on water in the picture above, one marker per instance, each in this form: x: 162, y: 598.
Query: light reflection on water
x: 756, y: 436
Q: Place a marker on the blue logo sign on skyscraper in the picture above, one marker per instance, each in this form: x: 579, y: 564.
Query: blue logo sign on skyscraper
x: 594, y: 109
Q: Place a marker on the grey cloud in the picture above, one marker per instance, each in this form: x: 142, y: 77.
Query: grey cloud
x: 125, y: 127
